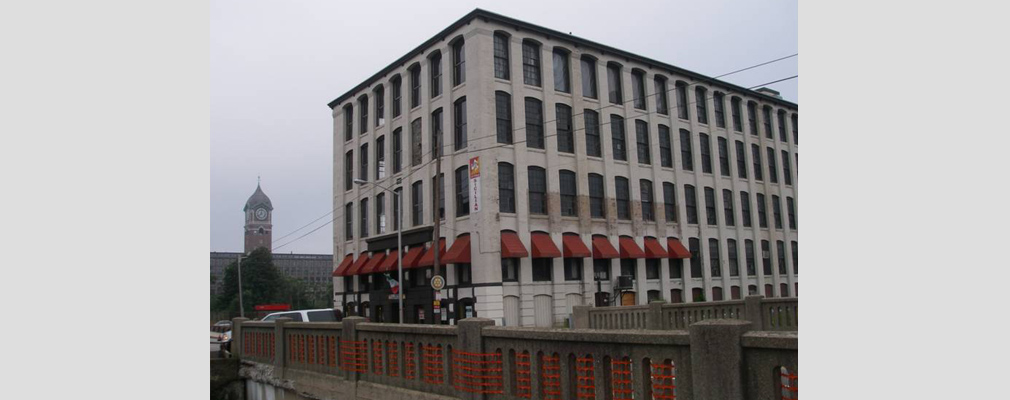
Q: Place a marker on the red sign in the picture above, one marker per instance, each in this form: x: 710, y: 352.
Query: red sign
x: 273, y: 307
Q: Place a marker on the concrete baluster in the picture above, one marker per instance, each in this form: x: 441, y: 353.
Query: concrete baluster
x: 236, y: 336
x: 752, y: 311
x: 279, y: 342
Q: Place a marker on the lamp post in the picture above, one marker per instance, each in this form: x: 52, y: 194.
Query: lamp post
x: 399, y: 238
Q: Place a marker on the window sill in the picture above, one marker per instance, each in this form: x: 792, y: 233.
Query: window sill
x: 531, y: 87
x: 591, y: 99
x: 505, y: 81
x: 435, y: 98
x: 537, y: 150
x: 622, y: 162
x: 594, y: 158
x: 563, y: 94
x: 459, y: 86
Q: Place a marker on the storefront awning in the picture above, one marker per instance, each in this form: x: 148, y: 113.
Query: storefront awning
x: 511, y: 246
x: 653, y: 249
x: 573, y: 247
x: 603, y: 249
x: 372, y: 264
x: 428, y: 259
x: 344, y: 265
x: 413, y: 255
x: 389, y: 263
x: 630, y: 249
x: 459, y: 253
x: 358, y: 264
x: 677, y: 249
x: 543, y: 246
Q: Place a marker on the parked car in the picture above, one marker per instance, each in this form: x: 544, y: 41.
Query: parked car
x: 221, y: 326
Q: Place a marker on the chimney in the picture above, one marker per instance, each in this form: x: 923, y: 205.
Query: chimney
x: 769, y: 92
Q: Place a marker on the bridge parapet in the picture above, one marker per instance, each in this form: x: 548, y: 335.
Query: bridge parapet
x: 778, y: 314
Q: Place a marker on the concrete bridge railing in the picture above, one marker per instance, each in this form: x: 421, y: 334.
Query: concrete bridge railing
x: 777, y: 314
x: 353, y: 359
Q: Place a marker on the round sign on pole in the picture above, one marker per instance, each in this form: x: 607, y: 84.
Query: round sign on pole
x: 437, y: 282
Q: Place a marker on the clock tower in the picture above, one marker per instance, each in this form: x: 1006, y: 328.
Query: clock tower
x: 258, y: 226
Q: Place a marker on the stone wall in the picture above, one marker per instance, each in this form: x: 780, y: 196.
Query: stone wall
x: 775, y: 314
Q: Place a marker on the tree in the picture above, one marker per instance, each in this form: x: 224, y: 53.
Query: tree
x: 262, y: 283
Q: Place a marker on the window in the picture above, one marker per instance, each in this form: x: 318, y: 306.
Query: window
x: 506, y: 188
x: 531, y: 63
x: 617, y: 137
x: 638, y: 89
x: 397, y: 150
x: 713, y: 257
x: 727, y: 206
x: 745, y: 209
x: 417, y: 201
x: 458, y: 63
x: 737, y: 120
x: 701, y: 103
x: 462, y: 191
x: 503, y: 116
x: 501, y: 56
x: 614, y: 83
x: 566, y: 139
x: 415, y: 142
x: 782, y: 127
x: 762, y: 211
x: 349, y: 221
x: 661, y: 104
x: 363, y: 157
x: 796, y: 257
x: 592, y: 120
x: 773, y: 171
x: 349, y: 170
x: 588, y: 77
x: 741, y: 160
x: 569, y: 194
x: 642, y: 139
x: 691, y: 205
x: 510, y: 269
x: 437, y: 138
x: 380, y: 214
x: 648, y: 212
x: 682, y: 100
x: 787, y: 175
x: 766, y: 258
x: 562, y: 81
x: 686, y: 157
x: 380, y: 157
x: 695, y: 247
x: 597, y: 209
x: 723, y: 156
x: 396, y: 207
x: 363, y: 212
x: 348, y: 121
x: 538, y: 190
x: 363, y: 117
x: 676, y: 268
x: 395, y: 87
x: 534, y: 124
x: 601, y: 269
x: 435, y: 61
x: 380, y: 104
x: 573, y: 269
x: 734, y: 266
x: 439, y: 182
x: 752, y: 117
x: 629, y: 267
x: 749, y: 253
x: 459, y: 124
x: 720, y: 109
x: 652, y: 270
x: 767, y: 120
x: 780, y: 250
x: 665, y: 147
x: 542, y: 268
x: 670, y: 202
x: 710, y: 215
x: 463, y: 274
x: 623, y: 198
x: 777, y: 211
x: 706, y: 153
x: 796, y: 129
x: 791, y: 209
x: 755, y: 154
x: 415, y: 85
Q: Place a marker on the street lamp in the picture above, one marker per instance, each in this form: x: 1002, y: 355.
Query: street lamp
x: 399, y: 236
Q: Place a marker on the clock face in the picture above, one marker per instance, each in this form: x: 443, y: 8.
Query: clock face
x: 261, y: 214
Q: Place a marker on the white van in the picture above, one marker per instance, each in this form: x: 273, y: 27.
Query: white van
x: 318, y: 315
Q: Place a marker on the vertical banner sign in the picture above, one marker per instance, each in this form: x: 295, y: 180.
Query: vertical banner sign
x: 475, y: 184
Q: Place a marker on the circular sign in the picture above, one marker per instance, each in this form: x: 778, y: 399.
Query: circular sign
x: 437, y: 282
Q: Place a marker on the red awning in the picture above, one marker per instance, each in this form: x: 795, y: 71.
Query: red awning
x: 653, y: 249
x: 543, y: 246
x: 511, y: 246
x: 459, y: 253
x: 413, y: 255
x: 358, y: 264
x: 428, y: 259
x: 389, y: 263
x: 573, y: 247
x: 677, y: 249
x: 369, y: 268
x: 630, y: 249
x: 342, y: 268
x: 603, y: 249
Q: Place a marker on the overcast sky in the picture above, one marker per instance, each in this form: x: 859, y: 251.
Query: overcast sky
x: 274, y: 66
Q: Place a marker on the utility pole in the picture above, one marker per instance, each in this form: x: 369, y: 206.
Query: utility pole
x: 438, y: 216
x: 241, y: 308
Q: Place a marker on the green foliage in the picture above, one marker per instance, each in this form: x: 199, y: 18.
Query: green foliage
x: 262, y: 283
